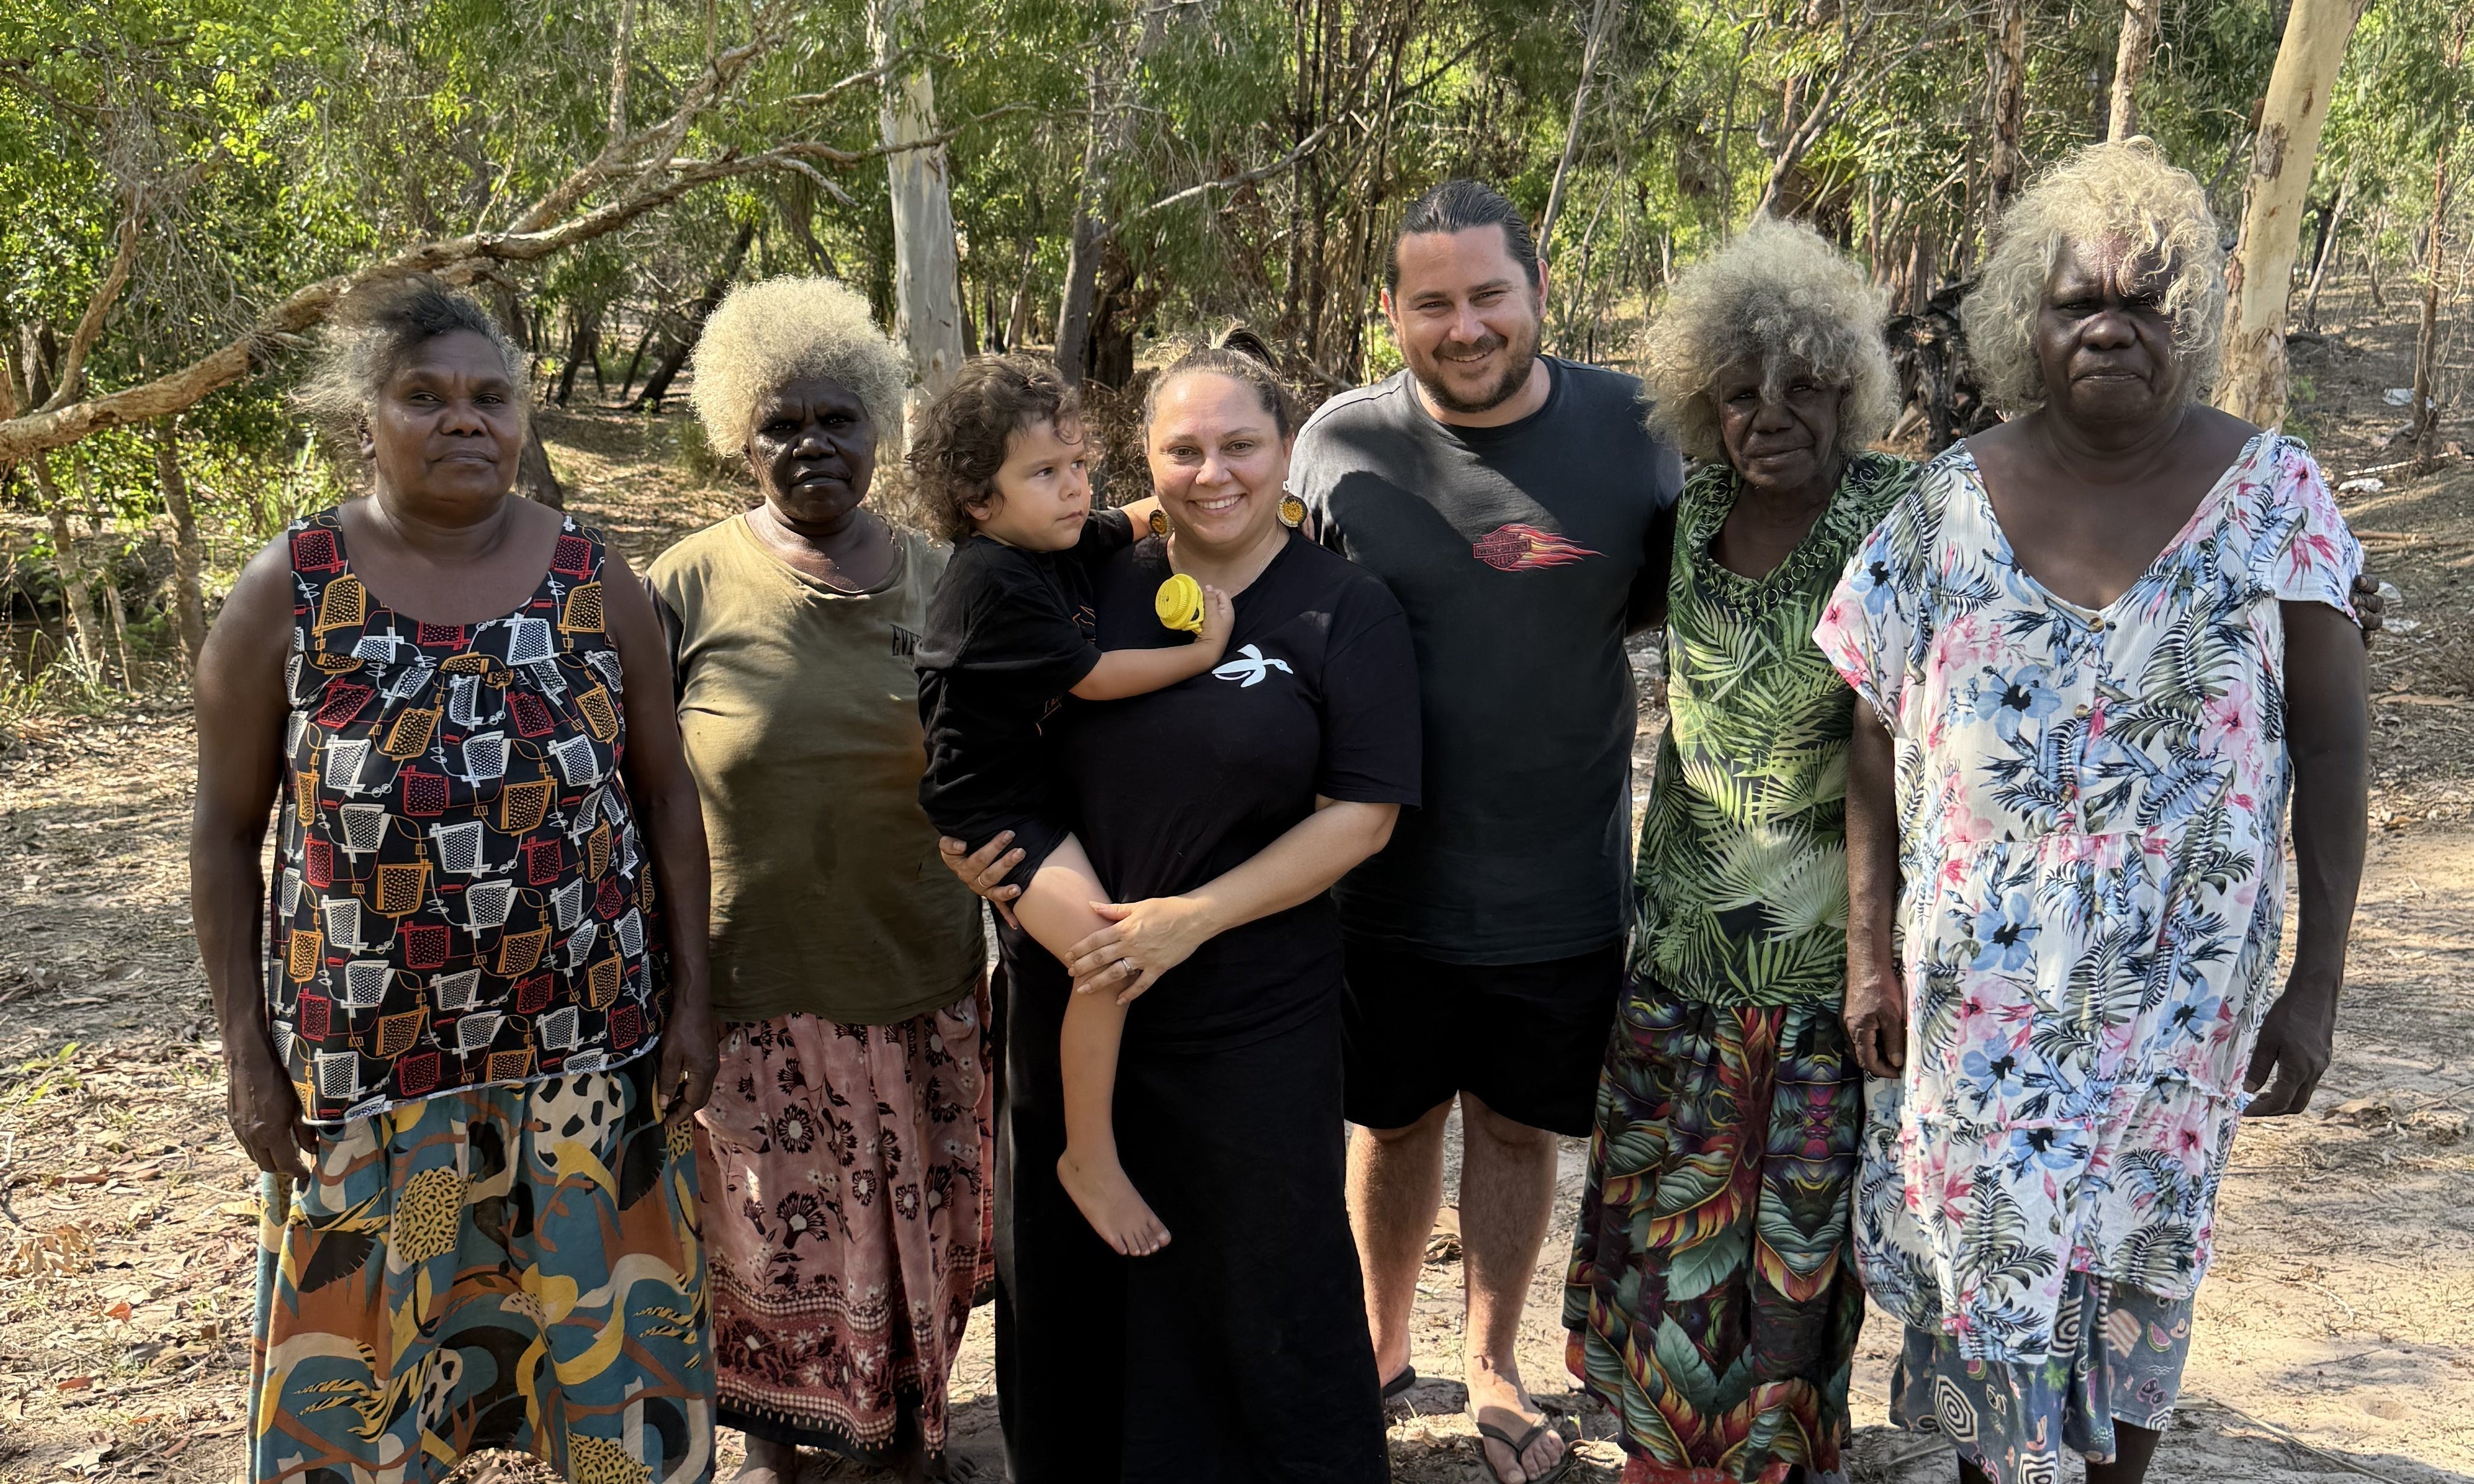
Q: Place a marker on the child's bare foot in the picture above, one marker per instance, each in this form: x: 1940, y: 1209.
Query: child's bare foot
x: 1113, y: 1207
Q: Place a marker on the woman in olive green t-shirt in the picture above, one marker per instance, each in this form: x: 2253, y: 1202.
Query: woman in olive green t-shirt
x: 846, y: 1154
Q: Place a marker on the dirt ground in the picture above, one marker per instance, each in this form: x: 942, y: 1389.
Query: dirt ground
x: 2336, y: 1332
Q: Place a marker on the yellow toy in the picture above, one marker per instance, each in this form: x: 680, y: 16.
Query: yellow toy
x: 1179, y: 603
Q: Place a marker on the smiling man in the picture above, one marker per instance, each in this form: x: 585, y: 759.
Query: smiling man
x: 1516, y: 506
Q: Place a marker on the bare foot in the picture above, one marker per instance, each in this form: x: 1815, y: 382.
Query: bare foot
x: 1109, y: 1202
x: 1500, y: 1401
x: 769, y: 1462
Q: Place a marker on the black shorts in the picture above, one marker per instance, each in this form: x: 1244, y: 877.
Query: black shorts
x: 1526, y: 1039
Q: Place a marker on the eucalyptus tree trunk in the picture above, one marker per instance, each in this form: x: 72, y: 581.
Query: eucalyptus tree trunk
x: 2252, y: 385
x: 2006, y: 161
x: 1114, y: 88
x: 1599, y: 15
x: 85, y: 630
x: 2331, y: 226
x: 187, y: 554
x: 2426, y: 346
x: 684, y: 346
x: 927, y: 294
x: 1087, y: 239
x: 2130, y: 64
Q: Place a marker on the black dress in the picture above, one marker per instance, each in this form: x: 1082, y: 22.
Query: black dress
x: 1239, y: 1352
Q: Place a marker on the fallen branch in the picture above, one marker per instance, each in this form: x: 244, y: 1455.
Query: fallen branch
x: 459, y: 260
x: 2287, y: 1438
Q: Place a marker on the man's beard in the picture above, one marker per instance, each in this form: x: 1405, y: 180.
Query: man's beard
x: 1515, y: 375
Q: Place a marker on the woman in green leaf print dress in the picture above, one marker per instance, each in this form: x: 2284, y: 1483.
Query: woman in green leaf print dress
x: 1712, y: 1300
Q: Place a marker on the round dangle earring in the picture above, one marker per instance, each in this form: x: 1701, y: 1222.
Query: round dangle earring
x: 1293, y: 511
x: 1160, y: 522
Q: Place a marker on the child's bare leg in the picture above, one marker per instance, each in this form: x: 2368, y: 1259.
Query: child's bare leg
x: 1055, y: 910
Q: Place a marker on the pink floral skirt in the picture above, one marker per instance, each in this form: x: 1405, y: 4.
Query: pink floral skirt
x: 846, y: 1173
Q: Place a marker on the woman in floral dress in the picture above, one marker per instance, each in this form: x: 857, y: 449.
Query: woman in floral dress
x: 1712, y: 1301
x: 845, y: 1157
x: 2100, y: 645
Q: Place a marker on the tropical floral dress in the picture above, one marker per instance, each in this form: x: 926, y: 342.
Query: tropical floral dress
x: 2091, y: 810
x: 1710, y: 1300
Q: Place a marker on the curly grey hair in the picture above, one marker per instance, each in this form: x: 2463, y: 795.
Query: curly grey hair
x: 768, y: 334
x: 376, y: 329
x: 1779, y: 297
x: 2125, y: 194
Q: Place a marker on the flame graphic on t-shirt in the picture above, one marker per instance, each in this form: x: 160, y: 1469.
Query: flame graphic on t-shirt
x: 1521, y: 548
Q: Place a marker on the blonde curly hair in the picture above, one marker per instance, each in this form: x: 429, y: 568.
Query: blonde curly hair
x: 1781, y: 297
x: 2128, y: 194
x: 774, y: 332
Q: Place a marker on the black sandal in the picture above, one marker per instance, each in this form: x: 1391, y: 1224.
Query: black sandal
x: 1519, y: 1446
x: 1396, y: 1385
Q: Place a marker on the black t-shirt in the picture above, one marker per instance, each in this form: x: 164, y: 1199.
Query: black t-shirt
x: 1009, y: 635
x: 1316, y: 695
x: 1519, y: 554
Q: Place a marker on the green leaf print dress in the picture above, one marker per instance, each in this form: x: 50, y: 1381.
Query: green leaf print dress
x: 1713, y: 1300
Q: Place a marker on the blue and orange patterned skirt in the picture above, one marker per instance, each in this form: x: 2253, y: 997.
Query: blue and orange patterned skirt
x: 507, y: 1267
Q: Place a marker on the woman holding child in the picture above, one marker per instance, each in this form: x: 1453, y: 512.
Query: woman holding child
x: 845, y: 1155
x: 1218, y: 810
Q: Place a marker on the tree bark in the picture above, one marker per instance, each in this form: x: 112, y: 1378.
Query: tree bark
x: 2261, y: 276
x: 644, y: 343
x: 2009, y: 84
x: 658, y: 385
x: 1081, y: 273
x: 1112, y: 95
x: 927, y: 291
x: 2331, y: 224
x: 2130, y: 64
x: 2426, y: 346
x: 1019, y: 330
x: 1599, y: 14
x: 535, y: 480
x: 583, y: 345
x: 85, y: 630
x: 188, y: 556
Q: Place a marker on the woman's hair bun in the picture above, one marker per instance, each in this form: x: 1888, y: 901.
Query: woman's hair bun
x: 1244, y: 341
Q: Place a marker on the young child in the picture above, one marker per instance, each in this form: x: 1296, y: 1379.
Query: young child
x: 1001, y: 466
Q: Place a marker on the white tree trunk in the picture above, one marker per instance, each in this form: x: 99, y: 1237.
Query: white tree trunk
x: 2252, y: 385
x: 927, y: 291
x: 2130, y: 61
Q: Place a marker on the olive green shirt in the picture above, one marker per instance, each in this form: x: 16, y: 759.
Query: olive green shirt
x: 801, y: 717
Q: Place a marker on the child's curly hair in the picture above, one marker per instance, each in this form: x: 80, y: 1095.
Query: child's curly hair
x: 962, y: 437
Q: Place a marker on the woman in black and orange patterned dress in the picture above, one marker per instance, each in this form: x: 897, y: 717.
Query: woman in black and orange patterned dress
x: 466, y: 1046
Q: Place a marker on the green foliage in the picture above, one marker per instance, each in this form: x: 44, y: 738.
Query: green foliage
x: 267, y: 145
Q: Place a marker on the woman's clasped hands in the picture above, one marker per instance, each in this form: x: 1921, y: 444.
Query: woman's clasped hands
x: 1143, y: 941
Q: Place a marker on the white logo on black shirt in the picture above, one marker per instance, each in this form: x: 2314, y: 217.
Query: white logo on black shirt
x: 1250, y: 670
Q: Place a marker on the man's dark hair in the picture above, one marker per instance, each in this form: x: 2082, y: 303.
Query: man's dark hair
x: 1456, y: 207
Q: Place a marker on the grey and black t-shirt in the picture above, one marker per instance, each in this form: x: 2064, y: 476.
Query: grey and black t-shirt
x: 1522, y: 555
